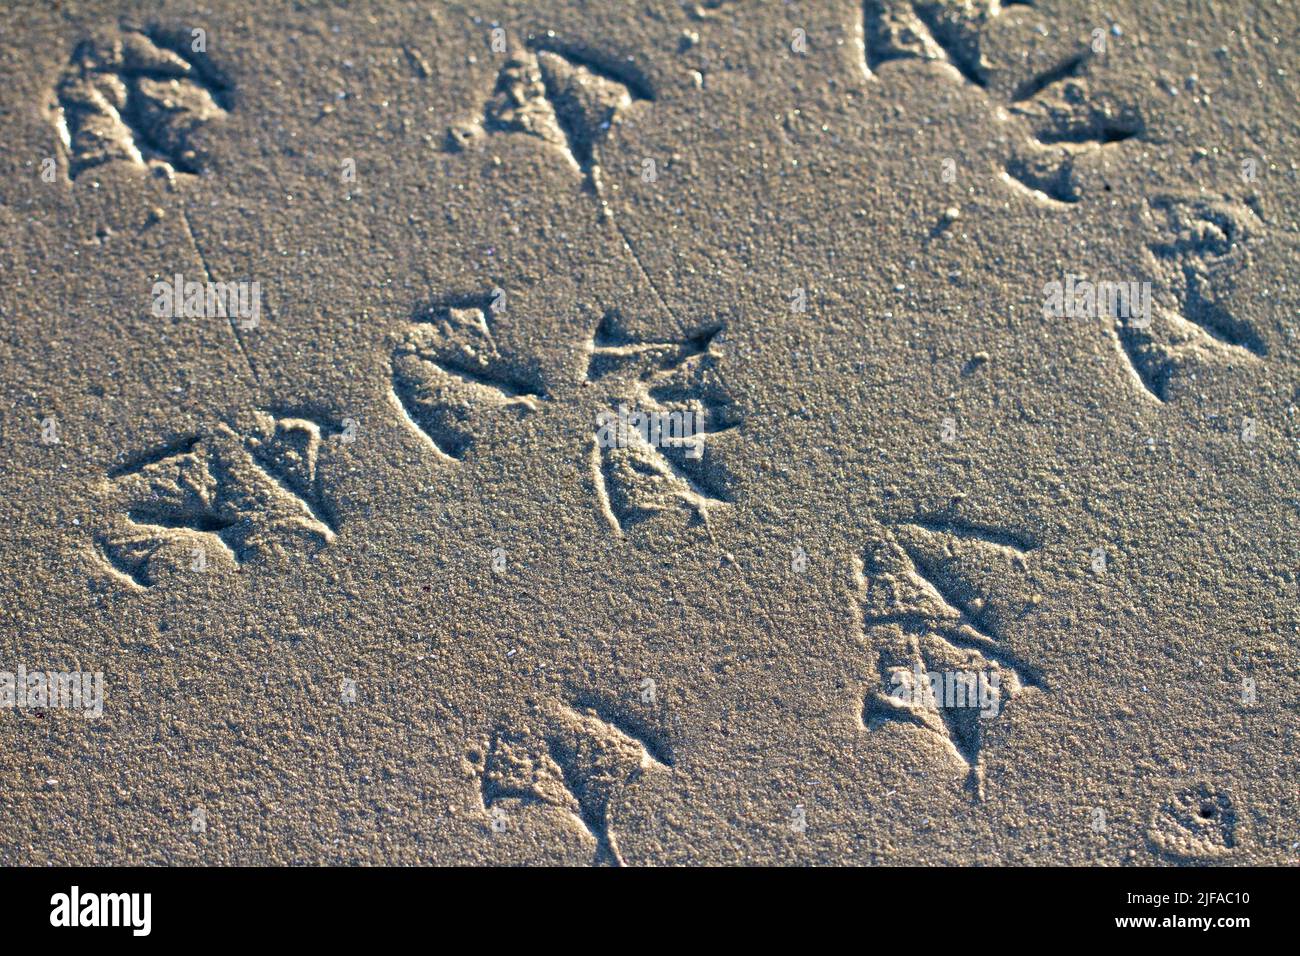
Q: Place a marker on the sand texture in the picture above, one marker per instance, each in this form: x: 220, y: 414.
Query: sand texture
x: 370, y: 573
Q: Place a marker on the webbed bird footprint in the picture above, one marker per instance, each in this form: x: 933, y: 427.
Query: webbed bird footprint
x: 574, y: 761
x: 936, y: 599
x: 564, y: 100
x: 138, y: 97
x: 1068, y: 119
x: 219, y: 498
x: 650, y: 452
x: 1203, y: 247
x: 450, y: 380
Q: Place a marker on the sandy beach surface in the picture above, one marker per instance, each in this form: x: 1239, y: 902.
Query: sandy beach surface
x: 652, y: 433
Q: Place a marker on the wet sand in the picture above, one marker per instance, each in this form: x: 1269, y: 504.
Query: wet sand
x: 366, y: 579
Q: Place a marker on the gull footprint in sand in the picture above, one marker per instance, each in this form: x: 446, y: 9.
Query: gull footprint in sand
x: 138, y: 97
x: 571, y: 100
x: 566, y: 101
x: 1067, y: 118
x: 574, y: 761
x: 943, y: 665
x: 447, y: 372
x: 219, y: 495
x: 1070, y: 123
x: 648, y: 456
x: 1204, y: 245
